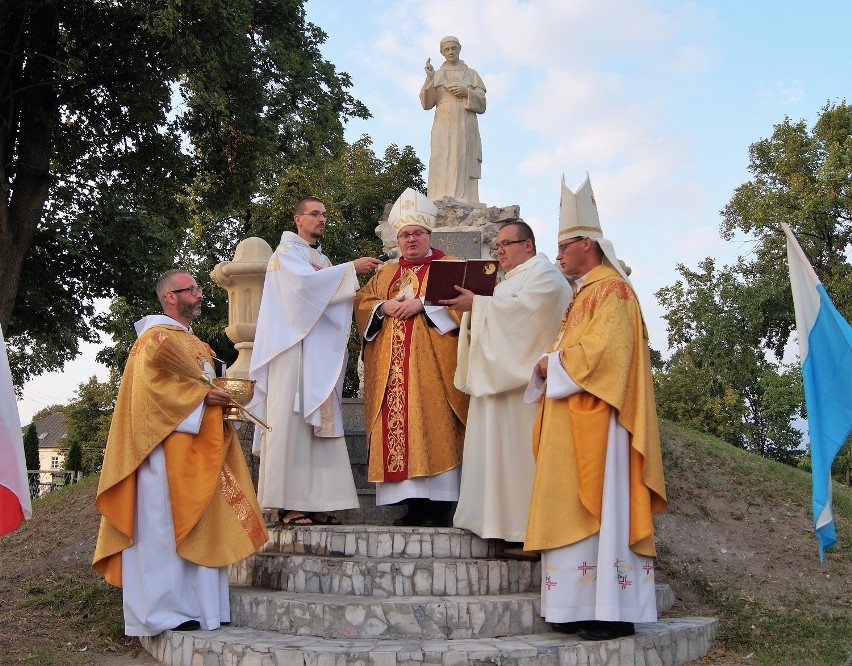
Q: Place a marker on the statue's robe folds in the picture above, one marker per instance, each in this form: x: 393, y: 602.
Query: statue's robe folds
x: 500, y: 340
x: 455, y: 160
x: 599, y: 474
x: 177, y: 506
x: 414, y: 414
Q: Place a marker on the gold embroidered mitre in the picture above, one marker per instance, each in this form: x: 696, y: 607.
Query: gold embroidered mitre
x: 412, y: 208
x: 578, y: 212
x: 579, y: 218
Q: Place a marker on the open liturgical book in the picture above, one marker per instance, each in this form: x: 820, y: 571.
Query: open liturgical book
x: 478, y: 275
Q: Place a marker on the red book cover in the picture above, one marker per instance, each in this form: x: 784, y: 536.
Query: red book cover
x: 478, y: 275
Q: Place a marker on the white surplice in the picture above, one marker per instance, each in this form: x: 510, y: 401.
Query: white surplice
x: 160, y: 589
x: 500, y: 340
x: 298, y: 362
x: 600, y: 577
x: 443, y: 487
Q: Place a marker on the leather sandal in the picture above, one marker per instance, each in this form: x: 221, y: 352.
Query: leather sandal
x: 323, y: 518
x: 294, y: 518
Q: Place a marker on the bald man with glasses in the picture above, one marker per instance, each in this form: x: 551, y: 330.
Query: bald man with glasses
x: 175, y: 495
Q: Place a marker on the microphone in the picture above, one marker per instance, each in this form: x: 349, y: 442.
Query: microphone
x: 393, y: 253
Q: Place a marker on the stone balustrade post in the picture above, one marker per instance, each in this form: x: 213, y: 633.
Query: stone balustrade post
x: 243, y: 278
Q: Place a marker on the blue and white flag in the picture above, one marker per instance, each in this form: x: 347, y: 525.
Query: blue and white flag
x: 825, y: 352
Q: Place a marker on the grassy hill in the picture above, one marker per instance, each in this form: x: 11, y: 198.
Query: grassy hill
x: 737, y: 542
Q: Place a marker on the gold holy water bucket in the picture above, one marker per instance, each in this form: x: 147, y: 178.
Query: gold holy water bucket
x: 241, y: 390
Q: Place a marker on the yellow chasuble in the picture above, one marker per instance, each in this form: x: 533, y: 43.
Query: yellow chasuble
x: 415, y: 416
x: 603, y: 346
x: 216, y: 517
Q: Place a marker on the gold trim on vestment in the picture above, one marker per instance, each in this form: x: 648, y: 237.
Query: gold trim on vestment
x: 574, y: 315
x: 326, y: 428
x: 395, y: 461
x: 418, y: 219
x: 581, y: 227
x: 427, y: 422
x: 603, y: 348
x: 240, y: 505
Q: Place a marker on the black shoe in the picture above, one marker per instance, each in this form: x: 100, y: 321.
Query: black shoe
x: 435, y: 521
x: 189, y: 625
x: 604, y: 631
x: 436, y: 513
x: 410, y: 519
x: 514, y: 550
x: 569, y: 627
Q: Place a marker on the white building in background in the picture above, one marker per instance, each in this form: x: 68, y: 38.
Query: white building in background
x: 51, y: 433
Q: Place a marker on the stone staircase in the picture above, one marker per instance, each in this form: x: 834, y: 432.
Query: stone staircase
x: 370, y: 595
x: 388, y: 596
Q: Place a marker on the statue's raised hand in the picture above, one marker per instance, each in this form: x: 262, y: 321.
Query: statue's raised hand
x: 430, y: 71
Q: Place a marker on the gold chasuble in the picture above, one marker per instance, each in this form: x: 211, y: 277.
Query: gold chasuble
x: 610, y: 361
x: 415, y: 416
x: 217, y: 519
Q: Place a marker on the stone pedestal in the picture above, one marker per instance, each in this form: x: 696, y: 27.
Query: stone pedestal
x: 367, y: 512
x: 243, y: 279
x: 461, y: 229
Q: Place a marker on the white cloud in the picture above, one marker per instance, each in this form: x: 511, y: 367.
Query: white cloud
x: 781, y: 94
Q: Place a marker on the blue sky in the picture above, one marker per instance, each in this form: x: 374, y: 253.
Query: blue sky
x: 658, y: 101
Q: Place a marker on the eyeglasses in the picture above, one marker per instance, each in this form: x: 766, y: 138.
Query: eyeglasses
x: 506, y: 244
x: 561, y: 247
x: 414, y: 234
x: 193, y: 291
x: 314, y: 213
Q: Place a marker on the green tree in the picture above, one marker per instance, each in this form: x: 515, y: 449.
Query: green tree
x: 74, y: 458
x: 725, y: 326
x: 127, y: 128
x: 719, y: 379
x: 842, y: 467
x: 47, y: 411
x: 800, y: 177
x: 31, y: 447
x: 87, y: 421
x: 355, y: 186
x: 31, y: 457
x: 690, y: 395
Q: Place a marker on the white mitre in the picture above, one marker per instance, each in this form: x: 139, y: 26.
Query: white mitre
x: 412, y: 208
x: 578, y: 218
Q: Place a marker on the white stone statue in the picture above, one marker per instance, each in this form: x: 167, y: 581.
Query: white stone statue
x: 457, y: 94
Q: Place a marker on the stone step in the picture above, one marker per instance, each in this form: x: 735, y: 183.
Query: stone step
x: 404, y: 618
x: 378, y: 541
x: 669, y: 642
x: 367, y: 576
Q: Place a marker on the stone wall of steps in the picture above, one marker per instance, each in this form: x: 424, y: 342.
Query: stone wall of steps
x: 389, y: 596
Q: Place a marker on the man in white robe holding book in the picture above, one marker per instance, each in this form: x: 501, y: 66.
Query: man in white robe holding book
x: 501, y: 338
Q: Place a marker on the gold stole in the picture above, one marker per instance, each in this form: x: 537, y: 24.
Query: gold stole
x: 409, y: 281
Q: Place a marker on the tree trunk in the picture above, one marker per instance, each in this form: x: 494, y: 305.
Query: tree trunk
x: 29, y: 118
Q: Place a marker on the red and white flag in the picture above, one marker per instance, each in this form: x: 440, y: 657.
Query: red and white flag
x: 15, y: 506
